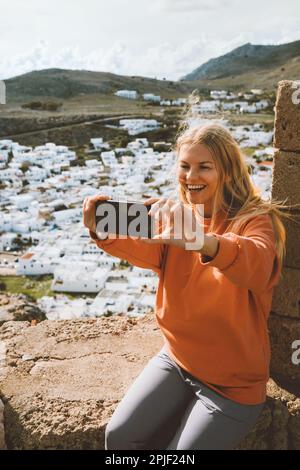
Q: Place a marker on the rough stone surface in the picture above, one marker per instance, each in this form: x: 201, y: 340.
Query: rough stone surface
x: 287, y: 116
x: 60, y: 382
x: 2, y: 437
x: 292, y: 228
x: 284, y: 332
x: 286, y: 295
x: 19, y: 307
x: 286, y: 177
x: 278, y: 425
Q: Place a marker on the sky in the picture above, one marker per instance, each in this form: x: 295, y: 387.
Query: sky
x: 153, y: 38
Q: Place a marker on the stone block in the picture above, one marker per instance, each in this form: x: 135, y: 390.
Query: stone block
x: 292, y: 227
x: 287, y: 116
x: 286, y: 295
x: 286, y: 177
x: 285, y: 358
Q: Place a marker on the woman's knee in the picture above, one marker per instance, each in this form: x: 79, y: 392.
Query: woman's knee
x: 121, y: 437
x: 112, y: 437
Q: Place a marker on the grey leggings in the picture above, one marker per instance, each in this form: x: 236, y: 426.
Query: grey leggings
x: 167, y: 408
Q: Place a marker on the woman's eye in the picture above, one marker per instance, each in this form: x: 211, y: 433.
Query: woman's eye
x: 201, y: 168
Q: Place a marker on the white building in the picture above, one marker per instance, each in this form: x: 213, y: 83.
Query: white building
x: 249, y: 108
x: 179, y: 102
x: 36, y: 174
x: 93, y: 164
x: 72, y: 280
x: 218, y: 94
x: 129, y: 94
x: 22, y: 201
x: 235, y: 105
x: 61, y: 307
x: 68, y: 215
x: 6, y: 144
x: 262, y: 104
x: 10, y: 174
x: 137, y: 126
x: 151, y: 97
x: 34, y: 264
x: 207, y: 106
x: 109, y: 158
x: 7, y: 241
x: 165, y: 103
x: 98, y: 144
x: 268, y: 152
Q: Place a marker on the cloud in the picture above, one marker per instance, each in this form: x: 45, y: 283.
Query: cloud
x: 161, y: 61
x: 189, y: 6
x: 164, y: 60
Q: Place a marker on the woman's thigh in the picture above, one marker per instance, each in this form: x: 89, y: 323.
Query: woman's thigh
x: 207, y: 425
x: 156, y: 398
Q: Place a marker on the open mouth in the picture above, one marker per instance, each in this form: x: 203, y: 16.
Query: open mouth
x: 195, y: 188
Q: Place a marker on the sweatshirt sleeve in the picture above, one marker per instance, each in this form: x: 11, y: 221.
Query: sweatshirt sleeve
x: 135, y: 251
x: 248, y: 260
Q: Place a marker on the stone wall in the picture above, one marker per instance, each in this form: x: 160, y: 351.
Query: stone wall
x: 284, y: 321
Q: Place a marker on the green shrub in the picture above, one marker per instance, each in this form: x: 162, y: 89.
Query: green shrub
x: 42, y: 106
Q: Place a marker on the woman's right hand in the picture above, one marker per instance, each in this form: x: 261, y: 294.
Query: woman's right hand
x: 89, y: 211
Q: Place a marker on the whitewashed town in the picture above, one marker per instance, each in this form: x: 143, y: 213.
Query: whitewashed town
x: 42, y: 192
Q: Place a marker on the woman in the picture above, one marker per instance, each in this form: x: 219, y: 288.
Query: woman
x: 212, y: 304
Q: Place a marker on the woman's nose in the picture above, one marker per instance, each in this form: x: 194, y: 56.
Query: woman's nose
x: 192, y: 175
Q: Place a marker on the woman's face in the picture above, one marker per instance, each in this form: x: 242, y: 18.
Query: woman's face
x: 196, y: 167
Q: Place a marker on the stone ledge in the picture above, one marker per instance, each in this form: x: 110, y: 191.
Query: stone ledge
x: 60, y: 382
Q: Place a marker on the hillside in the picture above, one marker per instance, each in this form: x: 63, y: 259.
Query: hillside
x: 247, y: 59
x: 68, y: 84
x: 246, y: 67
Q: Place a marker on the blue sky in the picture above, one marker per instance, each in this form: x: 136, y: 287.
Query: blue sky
x: 154, y: 38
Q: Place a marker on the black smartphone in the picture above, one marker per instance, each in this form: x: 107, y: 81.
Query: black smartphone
x: 124, y: 218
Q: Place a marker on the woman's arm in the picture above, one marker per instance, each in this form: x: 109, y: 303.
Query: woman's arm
x: 135, y: 251
x: 250, y: 259
x: 210, y: 247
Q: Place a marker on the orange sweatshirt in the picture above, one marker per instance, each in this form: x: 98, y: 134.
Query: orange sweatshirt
x: 213, y: 313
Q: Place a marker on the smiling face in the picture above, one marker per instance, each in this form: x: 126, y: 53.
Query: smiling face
x: 197, y: 174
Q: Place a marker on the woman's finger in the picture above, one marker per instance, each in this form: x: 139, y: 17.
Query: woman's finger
x: 150, y: 201
x: 154, y: 209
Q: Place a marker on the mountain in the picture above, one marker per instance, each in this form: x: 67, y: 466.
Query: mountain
x: 67, y: 84
x: 246, y: 67
x: 248, y: 58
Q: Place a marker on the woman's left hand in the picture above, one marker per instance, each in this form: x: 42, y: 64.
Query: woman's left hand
x: 176, y: 224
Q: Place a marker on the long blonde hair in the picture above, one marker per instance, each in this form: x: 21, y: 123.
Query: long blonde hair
x: 236, y: 194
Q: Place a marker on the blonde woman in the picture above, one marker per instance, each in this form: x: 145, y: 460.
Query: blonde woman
x: 206, y: 388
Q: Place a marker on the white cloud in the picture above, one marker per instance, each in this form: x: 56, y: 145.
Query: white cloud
x: 163, y: 60
x: 189, y: 6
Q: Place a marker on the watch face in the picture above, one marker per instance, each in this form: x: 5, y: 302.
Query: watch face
x: 124, y: 218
